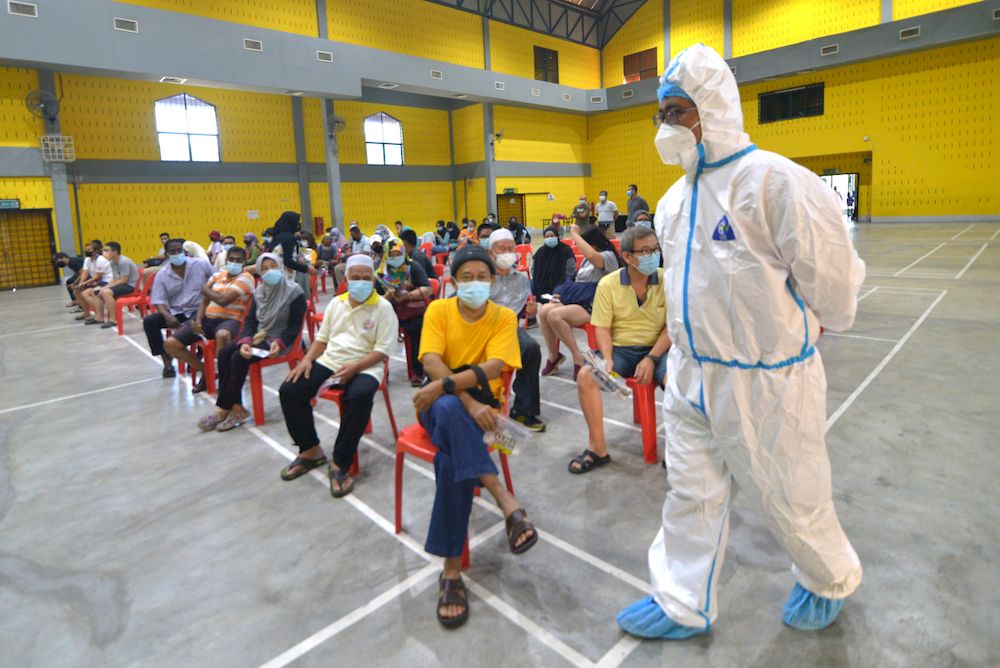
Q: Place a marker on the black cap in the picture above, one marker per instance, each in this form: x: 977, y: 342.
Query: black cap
x: 467, y: 253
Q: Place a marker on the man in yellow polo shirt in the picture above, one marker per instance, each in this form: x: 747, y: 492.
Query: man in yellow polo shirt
x: 629, y: 316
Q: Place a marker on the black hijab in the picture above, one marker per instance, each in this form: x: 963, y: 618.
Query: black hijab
x: 549, y: 268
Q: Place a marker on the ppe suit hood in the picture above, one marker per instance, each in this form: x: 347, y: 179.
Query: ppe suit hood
x: 704, y: 76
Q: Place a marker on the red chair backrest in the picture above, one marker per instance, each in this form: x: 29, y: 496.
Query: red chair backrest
x: 428, y: 249
x: 523, y: 252
x: 617, y: 244
x: 569, y: 242
x: 434, y: 287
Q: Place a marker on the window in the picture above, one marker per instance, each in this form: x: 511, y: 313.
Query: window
x: 187, y: 129
x: 640, y: 65
x: 546, y: 65
x: 384, y: 139
x: 783, y: 105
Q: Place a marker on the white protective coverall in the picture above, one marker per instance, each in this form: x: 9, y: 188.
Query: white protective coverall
x: 757, y: 258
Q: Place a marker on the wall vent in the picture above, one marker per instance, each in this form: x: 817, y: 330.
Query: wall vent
x: 173, y: 80
x: 733, y: 70
x: 253, y: 44
x: 536, y: 92
x: 996, y: 14
x: 437, y: 74
x: 499, y: 85
x: 324, y: 56
x: 909, y: 33
x: 126, y: 25
x: 626, y: 94
x: 596, y: 99
x: 388, y: 86
x: 27, y: 9
x: 294, y: 93
x: 567, y: 97
x: 829, y: 50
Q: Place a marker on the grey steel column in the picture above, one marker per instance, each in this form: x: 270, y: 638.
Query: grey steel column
x: 451, y: 148
x: 301, y: 165
x: 727, y: 28
x: 886, y: 16
x: 333, y: 168
x: 491, y: 184
x: 57, y: 174
x: 666, y: 33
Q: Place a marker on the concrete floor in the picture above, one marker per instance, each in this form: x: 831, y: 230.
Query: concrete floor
x: 128, y: 538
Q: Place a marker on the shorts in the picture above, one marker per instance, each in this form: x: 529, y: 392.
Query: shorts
x: 122, y: 290
x: 627, y: 358
x: 211, y: 327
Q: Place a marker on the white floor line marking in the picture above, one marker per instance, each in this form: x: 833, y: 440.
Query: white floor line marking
x: 867, y: 293
x: 596, y: 562
x: 905, y: 288
x: 418, y: 582
x: 962, y: 232
x: 859, y: 336
x: 617, y: 654
x: 969, y: 264
x: 579, y: 412
x: 539, y: 633
x: 32, y: 332
x: 75, y: 396
x: 919, y: 259
x: 15, y: 302
x: 995, y: 234
x: 832, y: 420
x: 561, y: 380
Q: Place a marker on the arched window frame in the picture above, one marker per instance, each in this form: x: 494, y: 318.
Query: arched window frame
x: 187, y: 129
x: 383, y: 140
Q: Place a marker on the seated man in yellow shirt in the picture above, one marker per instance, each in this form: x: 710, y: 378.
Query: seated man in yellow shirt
x: 359, y: 330
x: 630, y: 319
x: 466, y: 344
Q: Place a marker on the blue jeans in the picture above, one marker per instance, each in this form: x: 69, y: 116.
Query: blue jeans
x: 627, y: 358
x: 461, y: 459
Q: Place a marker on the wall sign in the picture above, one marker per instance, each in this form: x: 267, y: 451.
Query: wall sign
x: 10, y: 204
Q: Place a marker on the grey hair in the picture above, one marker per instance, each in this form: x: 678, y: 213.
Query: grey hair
x: 634, y: 234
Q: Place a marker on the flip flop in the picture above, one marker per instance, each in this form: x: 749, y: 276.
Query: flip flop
x: 340, y: 476
x: 306, y: 464
x: 452, y: 592
x: 587, y: 461
x: 518, y: 524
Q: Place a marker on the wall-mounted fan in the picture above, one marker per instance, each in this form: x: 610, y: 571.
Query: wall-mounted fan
x: 42, y: 104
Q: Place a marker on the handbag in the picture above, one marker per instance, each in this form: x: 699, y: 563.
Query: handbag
x: 573, y: 292
x: 411, y: 308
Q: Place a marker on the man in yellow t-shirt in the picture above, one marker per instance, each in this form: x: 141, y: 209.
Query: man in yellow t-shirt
x: 466, y: 344
x: 630, y: 319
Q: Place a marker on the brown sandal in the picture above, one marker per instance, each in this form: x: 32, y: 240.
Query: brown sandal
x: 518, y: 524
x: 452, y: 592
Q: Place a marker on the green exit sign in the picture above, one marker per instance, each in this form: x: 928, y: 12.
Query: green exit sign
x: 833, y: 171
x: 10, y: 204
x: 510, y: 191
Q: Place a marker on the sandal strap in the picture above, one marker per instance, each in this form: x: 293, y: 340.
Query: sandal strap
x: 452, y: 592
x: 518, y: 524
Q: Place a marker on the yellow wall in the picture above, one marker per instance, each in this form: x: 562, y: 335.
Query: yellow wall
x: 467, y: 127
x: 319, y: 202
x: 112, y: 119
x: 18, y: 126
x: 425, y: 133
x: 298, y: 16
x: 759, y: 25
x: 902, y: 9
x: 512, y: 51
x: 418, y: 204
x: 540, y: 136
x: 847, y: 163
x: 472, y: 191
x: 34, y: 192
x: 694, y: 21
x: 537, y: 206
x: 644, y: 30
x: 414, y: 27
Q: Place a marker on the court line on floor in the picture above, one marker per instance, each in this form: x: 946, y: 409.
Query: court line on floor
x: 995, y: 234
x: 969, y: 264
x: 832, y: 420
x: 33, y: 301
x: 962, y: 232
x: 921, y: 258
x: 575, y: 411
x: 617, y: 654
x: 32, y: 332
x: 75, y: 396
x: 906, y: 288
x: 859, y: 336
x: 868, y: 294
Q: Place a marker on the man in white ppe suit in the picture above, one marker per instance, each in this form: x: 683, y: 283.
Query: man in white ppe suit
x: 756, y: 259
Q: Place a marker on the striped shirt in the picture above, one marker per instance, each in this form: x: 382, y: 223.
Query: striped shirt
x: 223, y: 282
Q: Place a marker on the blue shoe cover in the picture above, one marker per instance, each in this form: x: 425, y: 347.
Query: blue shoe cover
x: 646, y: 619
x: 806, y: 611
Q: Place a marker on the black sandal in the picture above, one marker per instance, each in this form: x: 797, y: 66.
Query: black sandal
x: 306, y: 465
x: 518, y: 524
x: 587, y: 461
x: 452, y: 592
x: 340, y: 476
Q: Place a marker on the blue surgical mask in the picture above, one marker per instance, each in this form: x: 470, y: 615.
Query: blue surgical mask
x: 551, y: 242
x: 267, y: 240
x: 649, y: 264
x: 360, y: 291
x: 178, y: 260
x: 644, y: 223
x: 271, y: 277
x: 628, y: 192
x: 395, y: 262
x: 234, y: 268
x: 226, y: 247
x: 474, y: 293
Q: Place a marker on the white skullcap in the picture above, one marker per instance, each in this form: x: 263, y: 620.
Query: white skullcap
x: 360, y: 260
x: 500, y: 235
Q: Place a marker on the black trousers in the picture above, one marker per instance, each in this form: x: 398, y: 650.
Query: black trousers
x: 153, y: 324
x: 412, y: 328
x: 525, y: 386
x: 356, y: 411
x: 70, y: 282
x: 233, y: 369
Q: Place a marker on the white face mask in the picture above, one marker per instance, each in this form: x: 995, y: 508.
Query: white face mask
x: 604, y: 198
x: 676, y: 144
x: 506, y: 260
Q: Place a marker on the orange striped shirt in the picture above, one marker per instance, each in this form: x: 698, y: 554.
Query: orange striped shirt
x: 223, y: 282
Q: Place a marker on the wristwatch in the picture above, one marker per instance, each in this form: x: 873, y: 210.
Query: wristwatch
x: 448, y: 385
x: 653, y: 358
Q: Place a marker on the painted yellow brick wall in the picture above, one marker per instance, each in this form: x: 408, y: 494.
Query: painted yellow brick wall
x: 425, y: 133
x: 414, y: 27
x: 34, y: 192
x: 537, y: 205
x: 470, y: 199
x: 540, y: 136
x: 113, y: 119
x: 467, y: 124
x: 694, y: 21
x: 18, y: 126
x: 135, y: 214
x: 759, y: 25
x: 315, y: 131
x: 902, y: 9
x: 512, y: 51
x: 846, y: 163
x: 643, y: 30
x: 319, y: 201
x: 297, y: 16
x: 418, y: 204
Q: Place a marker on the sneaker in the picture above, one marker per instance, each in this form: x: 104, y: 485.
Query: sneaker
x: 109, y: 324
x: 169, y: 372
x: 551, y: 366
x: 532, y: 423
x: 232, y: 421
x: 200, y: 386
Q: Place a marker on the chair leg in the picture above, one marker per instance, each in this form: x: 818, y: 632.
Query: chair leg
x: 636, y: 403
x: 368, y: 427
x: 399, y: 488
x: 392, y: 418
x: 118, y: 318
x: 355, y: 466
x: 506, y: 473
x: 257, y: 393
x: 647, y: 419
x: 209, y: 362
x: 466, y: 558
x: 406, y: 344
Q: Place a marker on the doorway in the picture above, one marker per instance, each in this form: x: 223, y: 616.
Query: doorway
x: 510, y: 205
x: 27, y: 244
x: 846, y: 187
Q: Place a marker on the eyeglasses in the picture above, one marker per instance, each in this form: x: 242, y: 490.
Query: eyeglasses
x: 670, y: 115
x: 645, y: 252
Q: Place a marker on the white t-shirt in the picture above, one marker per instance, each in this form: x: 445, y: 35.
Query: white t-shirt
x: 606, y: 211
x: 351, y: 333
x: 99, y: 266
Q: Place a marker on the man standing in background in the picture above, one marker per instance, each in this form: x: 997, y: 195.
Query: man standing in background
x: 635, y: 203
x: 607, y: 212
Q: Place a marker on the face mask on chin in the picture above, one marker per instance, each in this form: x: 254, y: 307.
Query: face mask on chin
x: 677, y: 145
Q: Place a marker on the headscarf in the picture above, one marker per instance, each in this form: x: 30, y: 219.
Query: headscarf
x: 549, y: 267
x: 383, y: 232
x: 288, y: 223
x: 338, y: 237
x: 194, y: 249
x: 394, y: 278
x: 272, y: 300
x: 250, y: 239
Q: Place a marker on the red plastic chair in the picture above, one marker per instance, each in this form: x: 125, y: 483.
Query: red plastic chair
x: 531, y: 300
x: 293, y: 357
x: 439, y: 270
x: 441, y: 258
x: 617, y: 244
x: 209, y: 352
x: 579, y: 259
x: 336, y: 395
x: 414, y: 440
x: 644, y: 415
x: 591, y: 335
x: 322, y: 278
x: 523, y: 253
x: 569, y: 242
x: 428, y: 250
x: 138, y: 299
